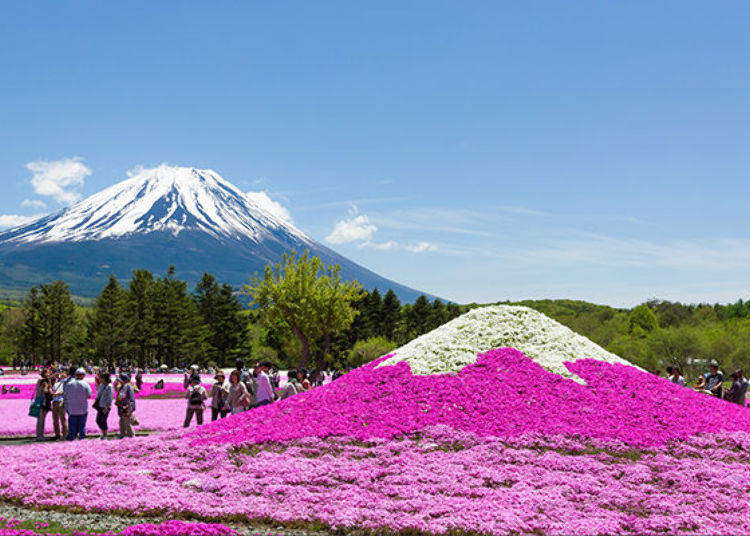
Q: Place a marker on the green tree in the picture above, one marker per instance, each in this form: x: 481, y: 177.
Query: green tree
x: 140, y: 315
x: 369, y: 350
x: 32, y: 336
x: 219, y: 310
x: 179, y: 333
x: 389, y: 316
x: 59, y: 317
x: 642, y: 318
x: 309, y: 299
x: 108, y: 325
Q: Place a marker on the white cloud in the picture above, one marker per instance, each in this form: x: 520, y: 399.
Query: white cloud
x: 59, y: 179
x: 36, y: 203
x: 269, y: 205
x: 422, y: 247
x: 357, y: 227
x: 15, y: 220
x: 380, y: 246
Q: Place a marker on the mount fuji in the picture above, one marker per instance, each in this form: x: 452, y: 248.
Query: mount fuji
x: 187, y: 217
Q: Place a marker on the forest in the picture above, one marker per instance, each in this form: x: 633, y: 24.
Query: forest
x: 152, y: 320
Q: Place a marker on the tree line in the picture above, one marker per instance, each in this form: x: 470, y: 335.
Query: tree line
x: 659, y: 333
x: 151, y: 320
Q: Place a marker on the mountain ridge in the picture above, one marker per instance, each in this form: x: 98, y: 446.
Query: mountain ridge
x: 187, y: 217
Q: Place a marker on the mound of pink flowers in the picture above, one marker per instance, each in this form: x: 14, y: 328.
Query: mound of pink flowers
x: 504, y: 394
x: 503, y: 446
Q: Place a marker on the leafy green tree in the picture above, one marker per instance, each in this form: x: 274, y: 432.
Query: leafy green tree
x: 369, y: 350
x: 642, y: 318
x: 309, y: 299
x: 108, y: 326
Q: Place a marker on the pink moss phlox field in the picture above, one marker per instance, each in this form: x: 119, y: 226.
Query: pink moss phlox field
x: 504, y: 394
x: 12, y: 527
x: 26, y: 391
x: 161, y: 415
x: 435, y: 480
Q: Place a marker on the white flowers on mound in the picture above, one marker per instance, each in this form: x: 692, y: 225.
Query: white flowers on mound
x: 456, y: 344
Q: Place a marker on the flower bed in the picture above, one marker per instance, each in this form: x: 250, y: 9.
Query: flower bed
x: 26, y: 391
x: 434, y: 481
x: 159, y: 415
x: 503, y: 394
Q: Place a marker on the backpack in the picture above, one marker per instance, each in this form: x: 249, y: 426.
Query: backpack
x: 196, y: 399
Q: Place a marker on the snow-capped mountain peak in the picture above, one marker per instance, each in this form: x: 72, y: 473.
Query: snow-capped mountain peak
x: 164, y: 198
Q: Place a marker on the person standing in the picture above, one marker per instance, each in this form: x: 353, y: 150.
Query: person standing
x: 195, y: 395
x: 676, y: 377
x: 43, y: 399
x: 292, y: 386
x: 77, y: 393
x: 125, y: 403
x: 59, y: 418
x: 103, y: 402
x: 239, y: 398
x: 737, y: 392
x: 219, y: 396
x: 264, y: 392
x: 713, y: 380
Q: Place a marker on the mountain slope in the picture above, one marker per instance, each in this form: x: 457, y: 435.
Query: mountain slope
x: 188, y: 217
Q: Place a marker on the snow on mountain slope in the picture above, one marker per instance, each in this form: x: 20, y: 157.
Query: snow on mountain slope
x: 164, y: 198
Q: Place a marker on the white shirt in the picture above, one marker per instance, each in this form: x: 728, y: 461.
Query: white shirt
x: 265, y: 392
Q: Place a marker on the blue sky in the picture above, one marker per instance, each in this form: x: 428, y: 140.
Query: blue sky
x: 475, y: 150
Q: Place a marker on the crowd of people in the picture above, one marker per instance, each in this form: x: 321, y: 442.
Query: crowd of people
x: 243, y: 390
x: 712, y: 383
x: 64, y: 394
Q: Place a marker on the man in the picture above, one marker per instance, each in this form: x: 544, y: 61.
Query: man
x: 264, y: 393
x: 196, y: 395
x: 713, y: 380
x: 240, y: 367
x: 737, y: 392
x: 59, y: 418
x: 76, y: 394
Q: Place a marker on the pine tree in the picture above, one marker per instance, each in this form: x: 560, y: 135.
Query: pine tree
x: 58, y: 311
x: 373, y: 306
x: 179, y: 333
x: 219, y: 310
x: 418, y: 316
x: 389, y: 316
x: 140, y: 315
x: 32, y: 336
x: 108, y: 324
x: 438, y: 315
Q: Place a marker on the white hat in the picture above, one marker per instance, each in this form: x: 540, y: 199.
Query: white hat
x: 80, y: 372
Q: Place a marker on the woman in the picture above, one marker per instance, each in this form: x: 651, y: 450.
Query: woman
x: 304, y: 381
x: 42, y: 398
x: 239, y: 398
x: 219, y: 395
x: 125, y: 403
x: 103, y: 402
x: 292, y: 386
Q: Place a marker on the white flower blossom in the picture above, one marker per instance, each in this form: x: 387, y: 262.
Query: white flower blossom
x: 456, y: 344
